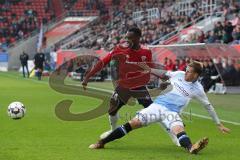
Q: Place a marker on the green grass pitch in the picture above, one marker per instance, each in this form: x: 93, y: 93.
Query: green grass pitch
x: 40, y: 135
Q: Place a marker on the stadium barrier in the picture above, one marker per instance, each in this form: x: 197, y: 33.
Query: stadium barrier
x: 225, y: 58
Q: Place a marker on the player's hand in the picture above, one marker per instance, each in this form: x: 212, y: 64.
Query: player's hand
x: 144, y: 66
x: 164, y: 85
x: 84, y: 84
x: 223, y: 129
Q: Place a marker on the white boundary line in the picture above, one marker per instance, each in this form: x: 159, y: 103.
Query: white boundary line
x: 206, y: 117
x: 193, y: 114
x: 110, y: 91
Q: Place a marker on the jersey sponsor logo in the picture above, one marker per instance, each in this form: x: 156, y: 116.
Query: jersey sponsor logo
x: 144, y: 58
x: 181, y: 89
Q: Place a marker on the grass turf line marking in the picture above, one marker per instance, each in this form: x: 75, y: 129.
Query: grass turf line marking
x: 110, y: 91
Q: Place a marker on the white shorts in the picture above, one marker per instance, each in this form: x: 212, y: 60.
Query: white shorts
x: 158, y: 113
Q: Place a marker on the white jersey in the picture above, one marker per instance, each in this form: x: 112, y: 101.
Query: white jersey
x: 182, y: 93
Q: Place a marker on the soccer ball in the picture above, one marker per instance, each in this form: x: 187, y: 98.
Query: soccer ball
x: 16, y: 110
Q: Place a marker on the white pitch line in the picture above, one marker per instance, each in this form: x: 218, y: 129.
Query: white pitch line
x: 206, y: 117
x: 193, y: 114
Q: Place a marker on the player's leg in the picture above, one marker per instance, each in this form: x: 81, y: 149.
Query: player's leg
x: 27, y: 70
x: 120, y: 98
x: 143, y: 118
x: 185, y: 141
x: 170, y: 134
x: 37, y: 68
x: 118, y: 133
x: 23, y: 70
x: 173, y: 121
x: 40, y: 70
x: 145, y: 100
x: 116, y: 102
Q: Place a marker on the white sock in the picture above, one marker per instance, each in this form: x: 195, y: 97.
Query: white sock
x: 113, y: 121
x: 171, y: 135
x: 174, y: 138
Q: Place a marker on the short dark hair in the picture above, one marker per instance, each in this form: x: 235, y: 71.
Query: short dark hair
x: 137, y: 31
x: 197, y: 66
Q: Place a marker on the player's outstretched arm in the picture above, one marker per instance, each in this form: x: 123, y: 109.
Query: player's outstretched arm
x: 214, y: 116
x: 156, y: 72
x: 91, y: 73
x: 98, y: 67
x: 202, y: 98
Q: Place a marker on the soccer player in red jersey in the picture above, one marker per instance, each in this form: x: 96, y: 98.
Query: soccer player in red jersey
x: 130, y: 80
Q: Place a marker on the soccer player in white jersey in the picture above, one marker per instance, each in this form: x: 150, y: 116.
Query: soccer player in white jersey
x: 167, y: 107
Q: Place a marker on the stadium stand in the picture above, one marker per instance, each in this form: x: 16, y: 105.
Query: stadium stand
x: 18, y: 18
x: 156, y: 18
x: 105, y: 35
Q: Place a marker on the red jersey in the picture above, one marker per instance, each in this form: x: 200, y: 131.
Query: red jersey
x: 125, y: 55
x: 140, y: 55
x: 129, y: 75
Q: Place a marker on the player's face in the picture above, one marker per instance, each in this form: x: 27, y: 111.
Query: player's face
x: 132, y: 38
x: 190, y: 75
